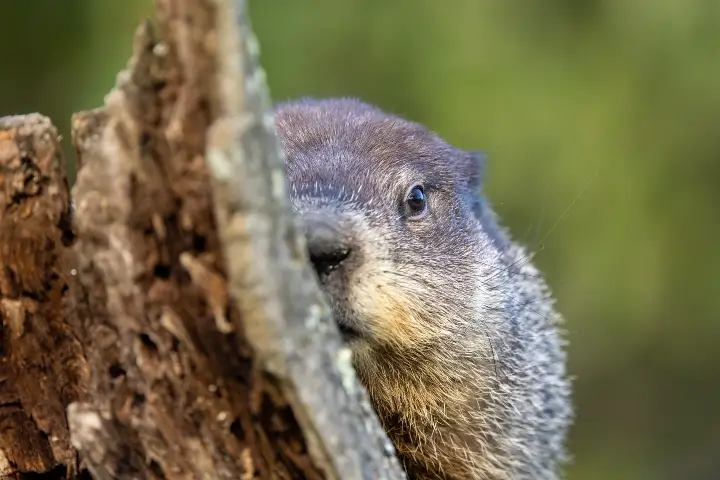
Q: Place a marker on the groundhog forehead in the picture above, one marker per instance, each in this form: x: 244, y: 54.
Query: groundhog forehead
x: 335, y: 140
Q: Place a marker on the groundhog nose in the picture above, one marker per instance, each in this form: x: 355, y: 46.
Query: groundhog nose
x: 326, y: 244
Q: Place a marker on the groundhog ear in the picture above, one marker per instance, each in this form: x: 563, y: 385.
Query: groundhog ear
x: 474, y: 168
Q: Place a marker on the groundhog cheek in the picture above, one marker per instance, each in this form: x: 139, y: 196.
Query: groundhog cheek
x: 387, y: 315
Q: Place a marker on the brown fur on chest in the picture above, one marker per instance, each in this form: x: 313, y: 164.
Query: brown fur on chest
x: 443, y: 452
x: 440, y: 431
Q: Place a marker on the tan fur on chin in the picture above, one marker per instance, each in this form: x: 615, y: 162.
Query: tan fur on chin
x: 429, y: 409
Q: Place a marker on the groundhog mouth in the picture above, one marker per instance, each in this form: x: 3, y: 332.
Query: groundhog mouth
x: 348, y: 333
x: 333, y: 255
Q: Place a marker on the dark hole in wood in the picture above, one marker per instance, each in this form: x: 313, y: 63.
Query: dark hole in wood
x: 162, y: 271
x: 237, y: 430
x: 116, y: 371
x: 147, y: 342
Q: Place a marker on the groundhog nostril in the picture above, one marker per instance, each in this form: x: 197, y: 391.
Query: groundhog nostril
x: 328, y: 260
x: 327, y: 243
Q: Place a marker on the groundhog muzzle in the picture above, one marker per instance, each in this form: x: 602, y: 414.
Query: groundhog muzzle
x: 453, y: 331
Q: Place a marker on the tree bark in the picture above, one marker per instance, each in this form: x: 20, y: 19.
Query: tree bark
x: 42, y: 363
x: 211, y: 353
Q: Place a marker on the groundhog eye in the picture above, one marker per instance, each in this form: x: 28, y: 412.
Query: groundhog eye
x: 416, y: 203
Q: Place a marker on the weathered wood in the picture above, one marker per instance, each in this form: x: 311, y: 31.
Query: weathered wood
x: 42, y: 365
x: 211, y: 355
x: 284, y: 316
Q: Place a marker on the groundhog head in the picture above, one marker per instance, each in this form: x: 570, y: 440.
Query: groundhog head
x: 390, y: 212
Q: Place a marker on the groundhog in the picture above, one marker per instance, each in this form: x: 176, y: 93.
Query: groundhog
x: 452, y: 331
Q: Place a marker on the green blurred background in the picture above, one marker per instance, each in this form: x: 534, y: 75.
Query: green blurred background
x: 602, y: 124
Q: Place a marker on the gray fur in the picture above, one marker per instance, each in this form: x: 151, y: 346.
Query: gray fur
x: 457, y: 338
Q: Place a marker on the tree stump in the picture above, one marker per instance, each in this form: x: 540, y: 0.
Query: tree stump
x: 173, y: 310
x: 42, y: 363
